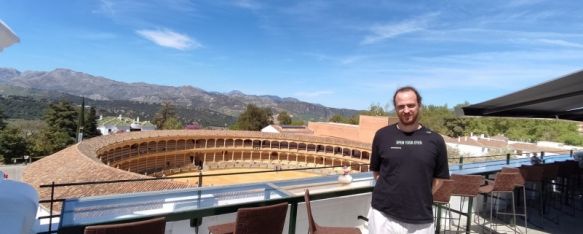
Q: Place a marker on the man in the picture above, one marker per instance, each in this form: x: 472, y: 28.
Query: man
x: 407, y: 158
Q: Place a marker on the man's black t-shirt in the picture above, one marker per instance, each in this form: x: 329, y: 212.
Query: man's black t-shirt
x: 407, y: 163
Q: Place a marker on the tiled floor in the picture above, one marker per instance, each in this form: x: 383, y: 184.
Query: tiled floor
x: 560, y: 219
x: 567, y: 219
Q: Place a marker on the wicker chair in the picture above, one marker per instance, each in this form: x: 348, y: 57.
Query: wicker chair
x: 519, y: 182
x: 569, y: 174
x: 534, y: 176
x: 441, y: 197
x: 541, y: 177
x: 504, y: 183
x: 150, y: 226
x: 255, y: 220
x: 466, y: 186
x: 314, y: 228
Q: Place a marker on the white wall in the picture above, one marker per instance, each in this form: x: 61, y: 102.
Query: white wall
x: 269, y: 129
x: 469, y: 150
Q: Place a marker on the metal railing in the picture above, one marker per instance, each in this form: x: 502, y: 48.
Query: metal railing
x: 200, y: 177
x: 504, y: 159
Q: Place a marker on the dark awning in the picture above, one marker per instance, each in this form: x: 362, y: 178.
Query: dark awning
x: 560, y: 98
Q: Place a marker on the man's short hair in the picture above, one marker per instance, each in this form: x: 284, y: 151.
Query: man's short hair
x: 404, y: 89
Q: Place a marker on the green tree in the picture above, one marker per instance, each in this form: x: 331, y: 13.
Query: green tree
x: 12, y: 144
x: 478, y: 126
x: 572, y: 139
x: 434, y: 117
x: 297, y: 122
x: 337, y: 118
x: 62, y: 116
x: 353, y: 120
x: 166, y: 111
x: 172, y: 123
x: 90, y: 129
x: 48, y: 141
x: 375, y: 110
x: 456, y: 126
x: 284, y: 118
x: 254, y: 118
x: 2, y: 117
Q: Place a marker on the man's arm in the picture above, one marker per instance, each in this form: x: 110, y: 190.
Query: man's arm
x: 375, y: 158
x: 375, y: 175
x: 437, y: 182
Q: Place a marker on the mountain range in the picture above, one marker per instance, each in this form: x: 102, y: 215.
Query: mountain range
x: 111, y: 97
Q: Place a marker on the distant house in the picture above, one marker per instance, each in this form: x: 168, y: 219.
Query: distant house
x: 482, y: 145
x: 474, y: 146
x: 289, y: 129
x: 113, y: 125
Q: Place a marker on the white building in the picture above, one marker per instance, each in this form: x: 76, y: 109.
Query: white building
x: 112, y: 125
x: 289, y: 129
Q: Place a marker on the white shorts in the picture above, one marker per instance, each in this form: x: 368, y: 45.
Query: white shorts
x: 379, y: 223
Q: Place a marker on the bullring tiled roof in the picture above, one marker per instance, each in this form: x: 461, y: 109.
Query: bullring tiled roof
x: 79, y: 163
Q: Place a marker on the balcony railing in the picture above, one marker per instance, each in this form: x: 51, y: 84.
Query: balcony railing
x: 194, y: 204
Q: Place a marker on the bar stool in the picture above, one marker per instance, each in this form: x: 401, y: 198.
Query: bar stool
x: 568, y: 175
x: 519, y: 184
x: 466, y: 186
x: 533, y: 175
x: 441, y: 197
x: 550, y: 175
x: 504, y: 183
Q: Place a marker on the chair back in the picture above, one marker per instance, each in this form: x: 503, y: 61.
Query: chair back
x: 504, y: 182
x: 533, y: 173
x: 568, y: 169
x: 519, y: 179
x: 150, y: 226
x: 313, y: 226
x: 261, y: 220
x: 443, y: 193
x: 466, y: 185
x: 550, y: 171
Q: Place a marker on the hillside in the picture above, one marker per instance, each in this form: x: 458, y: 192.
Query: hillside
x: 140, y: 98
x: 33, y: 107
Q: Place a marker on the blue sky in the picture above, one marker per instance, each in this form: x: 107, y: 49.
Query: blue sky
x: 336, y: 53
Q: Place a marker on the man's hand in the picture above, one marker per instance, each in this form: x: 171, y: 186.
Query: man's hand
x: 375, y: 175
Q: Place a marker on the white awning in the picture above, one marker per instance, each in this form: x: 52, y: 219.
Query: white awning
x: 7, y: 36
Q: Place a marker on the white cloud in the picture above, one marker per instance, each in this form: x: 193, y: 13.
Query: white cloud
x: 341, y: 60
x: 382, y: 32
x: 314, y: 93
x: 520, y: 3
x: 248, y: 4
x: 561, y: 43
x: 171, y: 39
x: 352, y: 59
x: 106, y: 7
